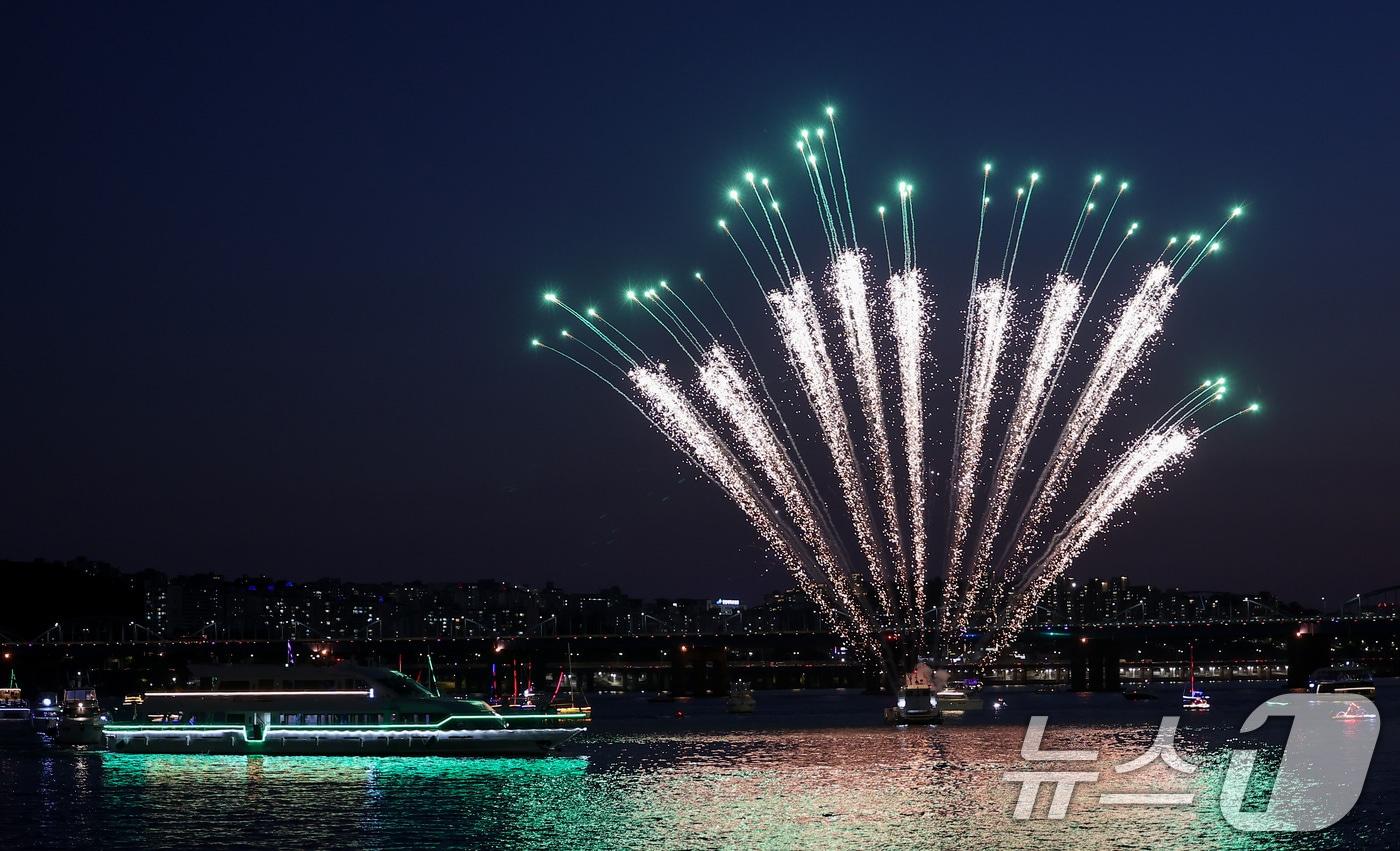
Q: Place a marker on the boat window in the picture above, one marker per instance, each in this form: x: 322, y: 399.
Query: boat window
x: 233, y: 685
x: 236, y: 717
x: 401, y: 683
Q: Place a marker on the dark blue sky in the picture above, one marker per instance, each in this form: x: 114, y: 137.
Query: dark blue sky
x: 269, y: 269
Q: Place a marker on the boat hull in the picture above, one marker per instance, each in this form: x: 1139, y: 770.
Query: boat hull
x: 87, y: 732
x: 235, y: 740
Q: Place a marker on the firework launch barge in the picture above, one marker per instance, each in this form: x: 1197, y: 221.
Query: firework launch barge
x: 335, y: 711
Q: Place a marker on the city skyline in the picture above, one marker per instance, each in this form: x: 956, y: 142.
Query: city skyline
x: 119, y: 605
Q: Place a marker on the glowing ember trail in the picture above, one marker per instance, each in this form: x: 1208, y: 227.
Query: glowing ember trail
x: 849, y: 291
x: 800, y: 328
x: 734, y: 398
x: 679, y: 419
x: 909, y: 326
x: 875, y: 595
x: 987, y: 331
x: 1144, y: 461
x: 1138, y: 322
x: 1051, y: 337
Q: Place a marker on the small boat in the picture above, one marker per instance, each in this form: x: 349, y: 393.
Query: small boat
x: 16, y: 718
x: 1194, y: 698
x: 1342, y: 681
x: 527, y: 711
x: 957, y: 700
x: 741, y: 700
x: 80, y: 718
x: 958, y: 696
x: 529, y: 707
x: 1138, y: 693
x: 1354, y: 712
x: 915, y: 703
x: 46, y: 713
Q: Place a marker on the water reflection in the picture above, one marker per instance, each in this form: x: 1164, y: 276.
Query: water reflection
x: 807, y: 771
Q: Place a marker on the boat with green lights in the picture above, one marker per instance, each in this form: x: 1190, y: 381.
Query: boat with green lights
x: 334, y: 710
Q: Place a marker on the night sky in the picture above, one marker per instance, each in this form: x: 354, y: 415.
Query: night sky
x: 270, y: 270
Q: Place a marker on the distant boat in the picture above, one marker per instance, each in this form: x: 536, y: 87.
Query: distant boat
x: 1193, y: 698
x: 741, y: 700
x: 915, y: 702
x: 80, y: 718
x: 1342, y: 681
x: 46, y: 713
x: 1354, y: 712
x: 957, y: 700
x: 16, y: 718
x: 962, y: 696
x: 1139, y: 693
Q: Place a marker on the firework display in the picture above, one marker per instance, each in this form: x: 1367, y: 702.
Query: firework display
x: 856, y: 532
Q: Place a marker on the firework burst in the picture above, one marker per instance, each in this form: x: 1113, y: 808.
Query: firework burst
x: 859, y: 355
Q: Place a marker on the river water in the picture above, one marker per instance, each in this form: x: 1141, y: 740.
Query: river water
x: 808, y: 770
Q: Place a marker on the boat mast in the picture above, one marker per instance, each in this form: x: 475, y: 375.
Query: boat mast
x: 1191, y: 688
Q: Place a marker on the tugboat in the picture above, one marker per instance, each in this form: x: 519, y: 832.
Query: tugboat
x: 80, y: 718
x: 1194, y: 698
x: 740, y: 700
x: 916, y: 703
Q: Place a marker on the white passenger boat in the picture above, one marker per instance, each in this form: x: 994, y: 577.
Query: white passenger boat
x: 337, y: 710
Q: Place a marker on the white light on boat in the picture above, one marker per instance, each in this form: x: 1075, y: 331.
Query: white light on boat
x: 369, y: 693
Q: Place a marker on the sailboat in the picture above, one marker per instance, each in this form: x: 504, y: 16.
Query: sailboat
x: 1194, y: 698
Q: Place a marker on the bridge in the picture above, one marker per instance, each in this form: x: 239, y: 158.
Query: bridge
x: 1091, y: 656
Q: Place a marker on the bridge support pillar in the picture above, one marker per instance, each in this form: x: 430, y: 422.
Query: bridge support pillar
x: 700, y: 671
x: 1093, y: 665
x: 1307, y: 653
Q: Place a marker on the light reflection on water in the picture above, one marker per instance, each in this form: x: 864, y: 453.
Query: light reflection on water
x: 808, y: 770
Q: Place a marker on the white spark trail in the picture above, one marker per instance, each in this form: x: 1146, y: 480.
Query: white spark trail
x: 1144, y: 461
x: 909, y: 317
x: 1137, y: 323
x: 799, y: 327
x: 848, y: 288
x: 678, y: 419
x: 1051, y: 339
x: 734, y: 397
x: 864, y: 557
x: 988, y: 326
